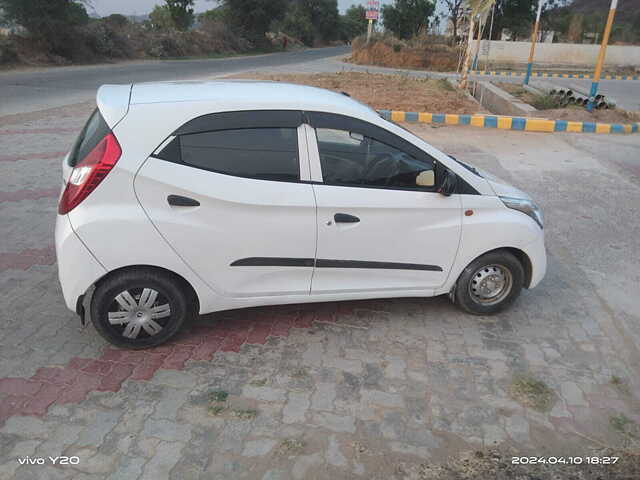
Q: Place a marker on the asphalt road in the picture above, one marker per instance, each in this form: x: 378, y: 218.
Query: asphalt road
x: 29, y: 91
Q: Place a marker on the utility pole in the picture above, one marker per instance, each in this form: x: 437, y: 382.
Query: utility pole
x: 534, y: 38
x: 601, y: 54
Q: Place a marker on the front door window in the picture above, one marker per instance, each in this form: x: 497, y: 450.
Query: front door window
x: 351, y: 159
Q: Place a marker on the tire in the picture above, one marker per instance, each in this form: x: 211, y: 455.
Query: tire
x: 490, y: 283
x: 129, y: 295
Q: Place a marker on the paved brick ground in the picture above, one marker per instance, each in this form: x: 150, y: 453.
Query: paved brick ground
x: 347, y: 390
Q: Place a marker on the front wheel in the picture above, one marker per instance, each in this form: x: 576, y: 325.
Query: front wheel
x: 140, y: 309
x: 490, y: 283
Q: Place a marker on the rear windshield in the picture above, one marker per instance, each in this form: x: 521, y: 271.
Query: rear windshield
x: 94, y: 130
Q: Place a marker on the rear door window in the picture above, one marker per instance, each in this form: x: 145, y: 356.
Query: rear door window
x: 94, y: 130
x: 263, y: 153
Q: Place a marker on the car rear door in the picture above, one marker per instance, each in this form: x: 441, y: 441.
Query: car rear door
x: 225, y: 192
x: 378, y: 230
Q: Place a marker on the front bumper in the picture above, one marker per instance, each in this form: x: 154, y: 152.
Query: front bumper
x: 538, y: 257
x: 77, y: 267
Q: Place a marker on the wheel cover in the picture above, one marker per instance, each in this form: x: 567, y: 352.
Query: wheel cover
x: 136, y: 311
x: 490, y: 284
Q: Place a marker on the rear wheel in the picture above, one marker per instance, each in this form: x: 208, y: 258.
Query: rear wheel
x: 140, y: 309
x: 490, y: 283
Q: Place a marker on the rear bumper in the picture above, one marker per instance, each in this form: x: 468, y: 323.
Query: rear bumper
x: 77, y: 268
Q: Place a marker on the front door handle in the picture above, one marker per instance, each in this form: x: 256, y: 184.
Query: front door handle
x: 345, y: 218
x: 180, y: 201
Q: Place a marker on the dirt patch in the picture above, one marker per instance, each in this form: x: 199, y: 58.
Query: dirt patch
x: 390, y: 92
x: 391, y: 52
x: 494, y: 464
x: 580, y: 114
x: 549, y: 107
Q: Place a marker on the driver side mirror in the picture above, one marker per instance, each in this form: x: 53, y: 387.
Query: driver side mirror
x: 426, y: 178
x: 356, y: 136
x: 449, y: 183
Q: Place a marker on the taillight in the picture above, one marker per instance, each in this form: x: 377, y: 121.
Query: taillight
x: 89, y: 172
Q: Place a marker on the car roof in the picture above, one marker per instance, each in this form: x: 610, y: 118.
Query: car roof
x: 235, y: 95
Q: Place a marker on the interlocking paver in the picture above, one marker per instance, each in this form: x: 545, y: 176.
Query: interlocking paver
x: 412, y: 378
x: 296, y: 407
x: 258, y: 448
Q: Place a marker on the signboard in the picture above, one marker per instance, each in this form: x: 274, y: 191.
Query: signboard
x: 373, y: 10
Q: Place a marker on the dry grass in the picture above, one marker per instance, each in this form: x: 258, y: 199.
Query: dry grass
x: 291, y: 446
x: 580, y: 114
x: 551, y: 109
x: 391, y: 52
x: 532, y: 393
x: 397, y: 92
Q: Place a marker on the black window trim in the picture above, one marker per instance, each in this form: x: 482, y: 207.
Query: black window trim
x: 241, y: 119
x: 289, y: 118
x: 176, y: 139
x: 324, y: 120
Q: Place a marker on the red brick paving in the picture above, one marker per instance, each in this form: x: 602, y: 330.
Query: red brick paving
x: 27, y: 258
x: 27, y: 194
x: 33, y: 156
x: 39, y: 131
x: 81, y: 376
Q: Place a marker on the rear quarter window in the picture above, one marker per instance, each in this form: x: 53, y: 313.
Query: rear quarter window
x: 94, y: 130
x: 262, y: 153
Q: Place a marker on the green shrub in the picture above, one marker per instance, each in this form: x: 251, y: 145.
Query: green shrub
x: 8, y: 52
x: 546, y: 102
x: 106, y: 40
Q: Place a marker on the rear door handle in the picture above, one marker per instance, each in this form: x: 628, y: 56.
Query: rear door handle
x: 345, y: 218
x: 180, y: 201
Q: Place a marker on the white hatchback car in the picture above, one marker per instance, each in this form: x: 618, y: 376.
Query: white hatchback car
x: 185, y: 198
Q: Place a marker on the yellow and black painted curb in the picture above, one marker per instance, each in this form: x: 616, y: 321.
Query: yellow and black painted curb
x: 553, y: 75
x: 529, y: 124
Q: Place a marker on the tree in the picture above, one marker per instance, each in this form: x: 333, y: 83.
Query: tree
x: 253, y: 17
x: 160, y: 18
x: 313, y: 21
x: 455, y: 9
x: 215, y: 14
x: 51, y: 21
x: 181, y: 12
x: 477, y: 8
x: 407, y: 17
x: 324, y: 17
x: 297, y: 24
x: 517, y: 16
x: 353, y: 22
x: 117, y: 20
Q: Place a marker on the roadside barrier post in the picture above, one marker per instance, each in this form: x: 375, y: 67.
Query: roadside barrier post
x: 601, y: 54
x: 534, y: 38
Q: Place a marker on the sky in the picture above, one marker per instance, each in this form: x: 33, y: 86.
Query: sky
x: 139, y: 7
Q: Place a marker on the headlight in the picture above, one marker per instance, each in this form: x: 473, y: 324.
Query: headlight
x: 525, y: 206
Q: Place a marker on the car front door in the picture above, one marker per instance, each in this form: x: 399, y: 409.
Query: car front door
x: 225, y: 192
x: 381, y: 225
